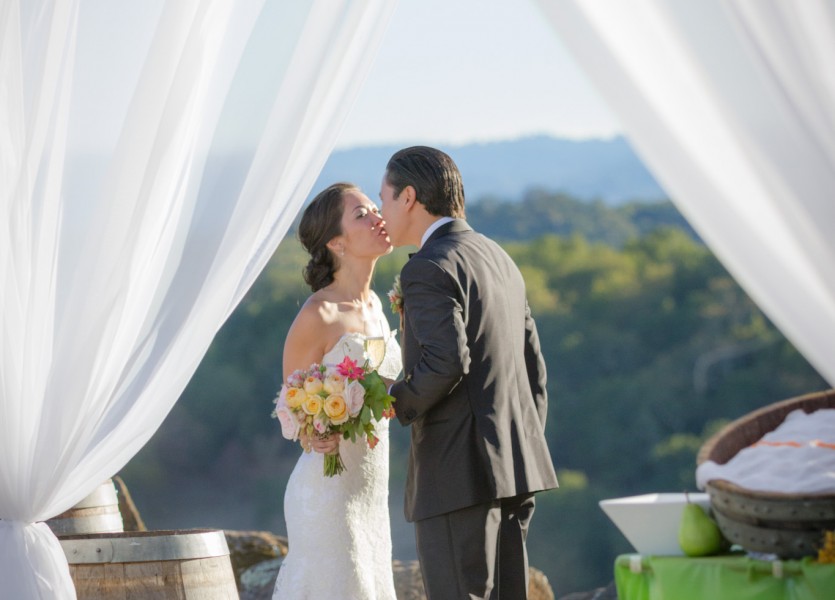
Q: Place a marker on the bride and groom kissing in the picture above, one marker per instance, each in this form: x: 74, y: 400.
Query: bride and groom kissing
x: 469, y: 381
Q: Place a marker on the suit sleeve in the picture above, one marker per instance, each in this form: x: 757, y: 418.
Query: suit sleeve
x: 535, y: 364
x: 434, y: 318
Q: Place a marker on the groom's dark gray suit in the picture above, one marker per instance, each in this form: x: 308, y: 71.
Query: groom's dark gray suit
x: 473, y: 389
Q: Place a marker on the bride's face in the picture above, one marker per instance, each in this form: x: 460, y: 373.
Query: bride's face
x: 363, y: 229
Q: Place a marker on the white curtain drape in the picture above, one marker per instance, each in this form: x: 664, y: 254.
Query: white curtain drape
x: 133, y: 220
x: 731, y: 104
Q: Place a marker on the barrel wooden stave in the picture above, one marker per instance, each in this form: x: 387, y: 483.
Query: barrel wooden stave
x: 139, y: 574
x: 97, y: 513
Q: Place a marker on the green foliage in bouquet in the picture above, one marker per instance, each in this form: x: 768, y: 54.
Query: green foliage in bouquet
x: 378, y: 404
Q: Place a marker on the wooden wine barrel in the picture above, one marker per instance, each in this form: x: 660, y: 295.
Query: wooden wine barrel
x: 97, y: 513
x: 158, y: 565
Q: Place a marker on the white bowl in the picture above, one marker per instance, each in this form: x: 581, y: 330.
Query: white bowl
x: 650, y: 522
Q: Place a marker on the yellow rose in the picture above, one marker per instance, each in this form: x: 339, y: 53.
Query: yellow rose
x: 336, y: 408
x: 312, y: 385
x: 295, y: 396
x: 334, y: 383
x: 312, y: 404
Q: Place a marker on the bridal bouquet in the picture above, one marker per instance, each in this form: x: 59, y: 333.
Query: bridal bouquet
x: 342, y: 399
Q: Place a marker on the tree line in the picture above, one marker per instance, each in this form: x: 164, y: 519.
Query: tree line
x: 650, y: 346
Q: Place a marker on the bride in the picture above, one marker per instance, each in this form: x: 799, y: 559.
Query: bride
x: 338, y: 527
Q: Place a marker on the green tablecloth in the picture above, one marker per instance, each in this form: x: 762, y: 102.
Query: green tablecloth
x: 729, y: 577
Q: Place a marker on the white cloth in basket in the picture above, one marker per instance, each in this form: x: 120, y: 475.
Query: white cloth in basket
x: 798, y: 457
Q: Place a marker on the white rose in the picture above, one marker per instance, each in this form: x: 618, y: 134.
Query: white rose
x: 334, y: 383
x: 354, y: 397
x: 312, y: 385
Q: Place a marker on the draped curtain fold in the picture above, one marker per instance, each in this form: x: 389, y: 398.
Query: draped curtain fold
x: 731, y: 104
x: 117, y: 270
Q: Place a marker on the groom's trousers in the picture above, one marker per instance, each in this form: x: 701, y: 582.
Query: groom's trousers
x: 477, y: 552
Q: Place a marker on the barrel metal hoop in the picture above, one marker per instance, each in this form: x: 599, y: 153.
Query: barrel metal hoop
x: 119, y: 548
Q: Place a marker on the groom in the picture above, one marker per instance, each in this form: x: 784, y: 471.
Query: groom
x: 473, y: 389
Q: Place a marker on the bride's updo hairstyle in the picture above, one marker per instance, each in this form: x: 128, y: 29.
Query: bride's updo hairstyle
x: 321, y: 222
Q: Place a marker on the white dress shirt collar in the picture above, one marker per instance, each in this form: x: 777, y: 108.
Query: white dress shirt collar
x: 431, y: 229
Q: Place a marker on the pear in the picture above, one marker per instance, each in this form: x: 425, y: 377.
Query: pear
x: 698, y: 534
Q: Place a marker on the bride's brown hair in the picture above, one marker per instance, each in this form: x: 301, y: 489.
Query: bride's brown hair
x: 321, y: 222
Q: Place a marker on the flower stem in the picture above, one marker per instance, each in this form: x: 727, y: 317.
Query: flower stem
x: 333, y: 464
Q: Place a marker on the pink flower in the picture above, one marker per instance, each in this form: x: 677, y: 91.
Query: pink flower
x: 289, y: 423
x: 348, y: 368
x: 319, y: 423
x: 372, y: 440
x: 296, y: 378
x: 281, y: 399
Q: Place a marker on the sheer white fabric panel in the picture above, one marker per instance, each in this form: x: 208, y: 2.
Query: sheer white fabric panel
x: 135, y: 213
x: 732, y: 106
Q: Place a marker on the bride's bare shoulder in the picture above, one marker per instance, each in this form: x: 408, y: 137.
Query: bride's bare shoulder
x: 319, y: 319
x: 315, y: 315
x: 310, y: 334
x: 319, y: 308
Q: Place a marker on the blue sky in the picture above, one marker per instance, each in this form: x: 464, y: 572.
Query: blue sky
x: 455, y: 71
x: 448, y: 72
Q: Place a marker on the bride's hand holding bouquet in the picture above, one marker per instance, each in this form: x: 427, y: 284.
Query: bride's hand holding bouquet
x: 322, y: 445
x: 321, y: 401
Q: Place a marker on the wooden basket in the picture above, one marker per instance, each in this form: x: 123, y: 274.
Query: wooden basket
x: 788, y: 525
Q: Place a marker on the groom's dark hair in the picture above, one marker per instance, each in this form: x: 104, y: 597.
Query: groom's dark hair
x: 433, y: 175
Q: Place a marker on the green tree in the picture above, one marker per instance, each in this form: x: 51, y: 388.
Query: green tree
x: 648, y: 343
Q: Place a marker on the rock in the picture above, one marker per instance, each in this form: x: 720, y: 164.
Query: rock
x: 257, y: 582
x: 408, y: 582
x: 538, y: 586
x: 251, y: 548
x: 605, y: 593
x: 256, y: 558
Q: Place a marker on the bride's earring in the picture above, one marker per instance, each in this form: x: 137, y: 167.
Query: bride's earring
x: 342, y: 251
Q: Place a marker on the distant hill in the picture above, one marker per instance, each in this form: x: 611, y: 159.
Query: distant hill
x: 595, y: 169
x: 540, y: 213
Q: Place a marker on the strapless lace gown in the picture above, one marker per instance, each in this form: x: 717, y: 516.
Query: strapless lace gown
x: 338, y: 527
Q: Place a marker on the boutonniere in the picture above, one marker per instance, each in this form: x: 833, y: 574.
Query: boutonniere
x: 396, y: 296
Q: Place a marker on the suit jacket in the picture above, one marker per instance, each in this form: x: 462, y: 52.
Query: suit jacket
x: 474, y: 378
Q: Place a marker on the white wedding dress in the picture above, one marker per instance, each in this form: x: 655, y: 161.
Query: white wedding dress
x: 338, y: 527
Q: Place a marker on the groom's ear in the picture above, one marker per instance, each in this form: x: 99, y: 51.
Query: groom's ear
x: 409, y: 197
